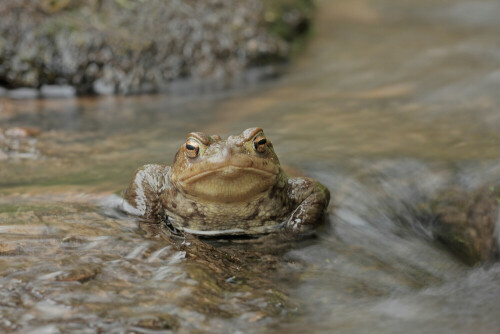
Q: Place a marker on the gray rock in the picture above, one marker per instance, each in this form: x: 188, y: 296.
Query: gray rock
x: 102, y: 88
x: 130, y: 47
x: 23, y: 93
x: 54, y: 91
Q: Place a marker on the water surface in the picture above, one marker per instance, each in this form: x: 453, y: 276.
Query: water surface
x: 390, y: 102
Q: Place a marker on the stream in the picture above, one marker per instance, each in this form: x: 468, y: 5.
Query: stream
x: 390, y: 102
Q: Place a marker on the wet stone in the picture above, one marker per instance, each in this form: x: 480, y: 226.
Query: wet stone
x: 232, y: 280
x: 158, y: 42
x: 466, y: 222
x: 21, y: 132
x: 23, y: 93
x: 53, y: 91
x: 102, y: 88
x: 9, y: 249
x: 80, y: 274
x: 73, y: 239
x: 157, y: 322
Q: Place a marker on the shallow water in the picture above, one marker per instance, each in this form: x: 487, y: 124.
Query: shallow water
x: 390, y: 102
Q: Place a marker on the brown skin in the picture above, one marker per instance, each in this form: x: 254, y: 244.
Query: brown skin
x: 227, y: 187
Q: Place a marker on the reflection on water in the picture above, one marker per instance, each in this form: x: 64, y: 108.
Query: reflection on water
x: 391, y: 102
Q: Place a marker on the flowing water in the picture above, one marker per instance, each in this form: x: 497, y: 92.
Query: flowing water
x: 390, y: 102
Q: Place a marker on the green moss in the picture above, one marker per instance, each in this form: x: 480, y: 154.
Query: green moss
x: 289, y: 20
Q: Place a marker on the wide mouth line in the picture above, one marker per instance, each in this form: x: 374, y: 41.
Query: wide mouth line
x: 211, y: 171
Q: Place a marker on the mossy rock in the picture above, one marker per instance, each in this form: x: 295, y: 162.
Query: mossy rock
x: 466, y: 222
x: 140, y: 46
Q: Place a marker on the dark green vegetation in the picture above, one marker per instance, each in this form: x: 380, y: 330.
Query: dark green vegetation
x: 140, y: 46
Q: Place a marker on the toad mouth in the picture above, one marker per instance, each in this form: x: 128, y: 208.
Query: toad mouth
x: 230, y: 171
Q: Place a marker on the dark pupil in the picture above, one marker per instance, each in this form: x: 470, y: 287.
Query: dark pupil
x: 261, y: 142
x: 190, y: 147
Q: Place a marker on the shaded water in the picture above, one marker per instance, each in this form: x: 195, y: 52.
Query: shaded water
x: 391, y: 102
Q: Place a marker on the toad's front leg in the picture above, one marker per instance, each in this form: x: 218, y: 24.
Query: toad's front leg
x: 142, y: 195
x: 312, y: 199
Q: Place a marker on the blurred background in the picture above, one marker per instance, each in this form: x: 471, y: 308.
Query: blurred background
x: 394, y: 105
x: 129, y: 47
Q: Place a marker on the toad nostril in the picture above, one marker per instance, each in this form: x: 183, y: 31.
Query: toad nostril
x: 235, y: 141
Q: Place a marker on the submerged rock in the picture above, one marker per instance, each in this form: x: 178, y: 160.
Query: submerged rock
x: 467, y: 222
x: 140, y: 46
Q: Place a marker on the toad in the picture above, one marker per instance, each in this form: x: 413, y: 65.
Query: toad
x: 226, y: 187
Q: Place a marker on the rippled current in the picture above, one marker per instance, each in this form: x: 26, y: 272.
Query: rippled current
x: 390, y: 102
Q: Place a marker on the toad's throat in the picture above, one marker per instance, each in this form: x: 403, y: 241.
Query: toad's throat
x: 229, y: 183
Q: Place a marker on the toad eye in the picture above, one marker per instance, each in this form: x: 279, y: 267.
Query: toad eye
x: 260, y: 143
x: 192, y: 149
